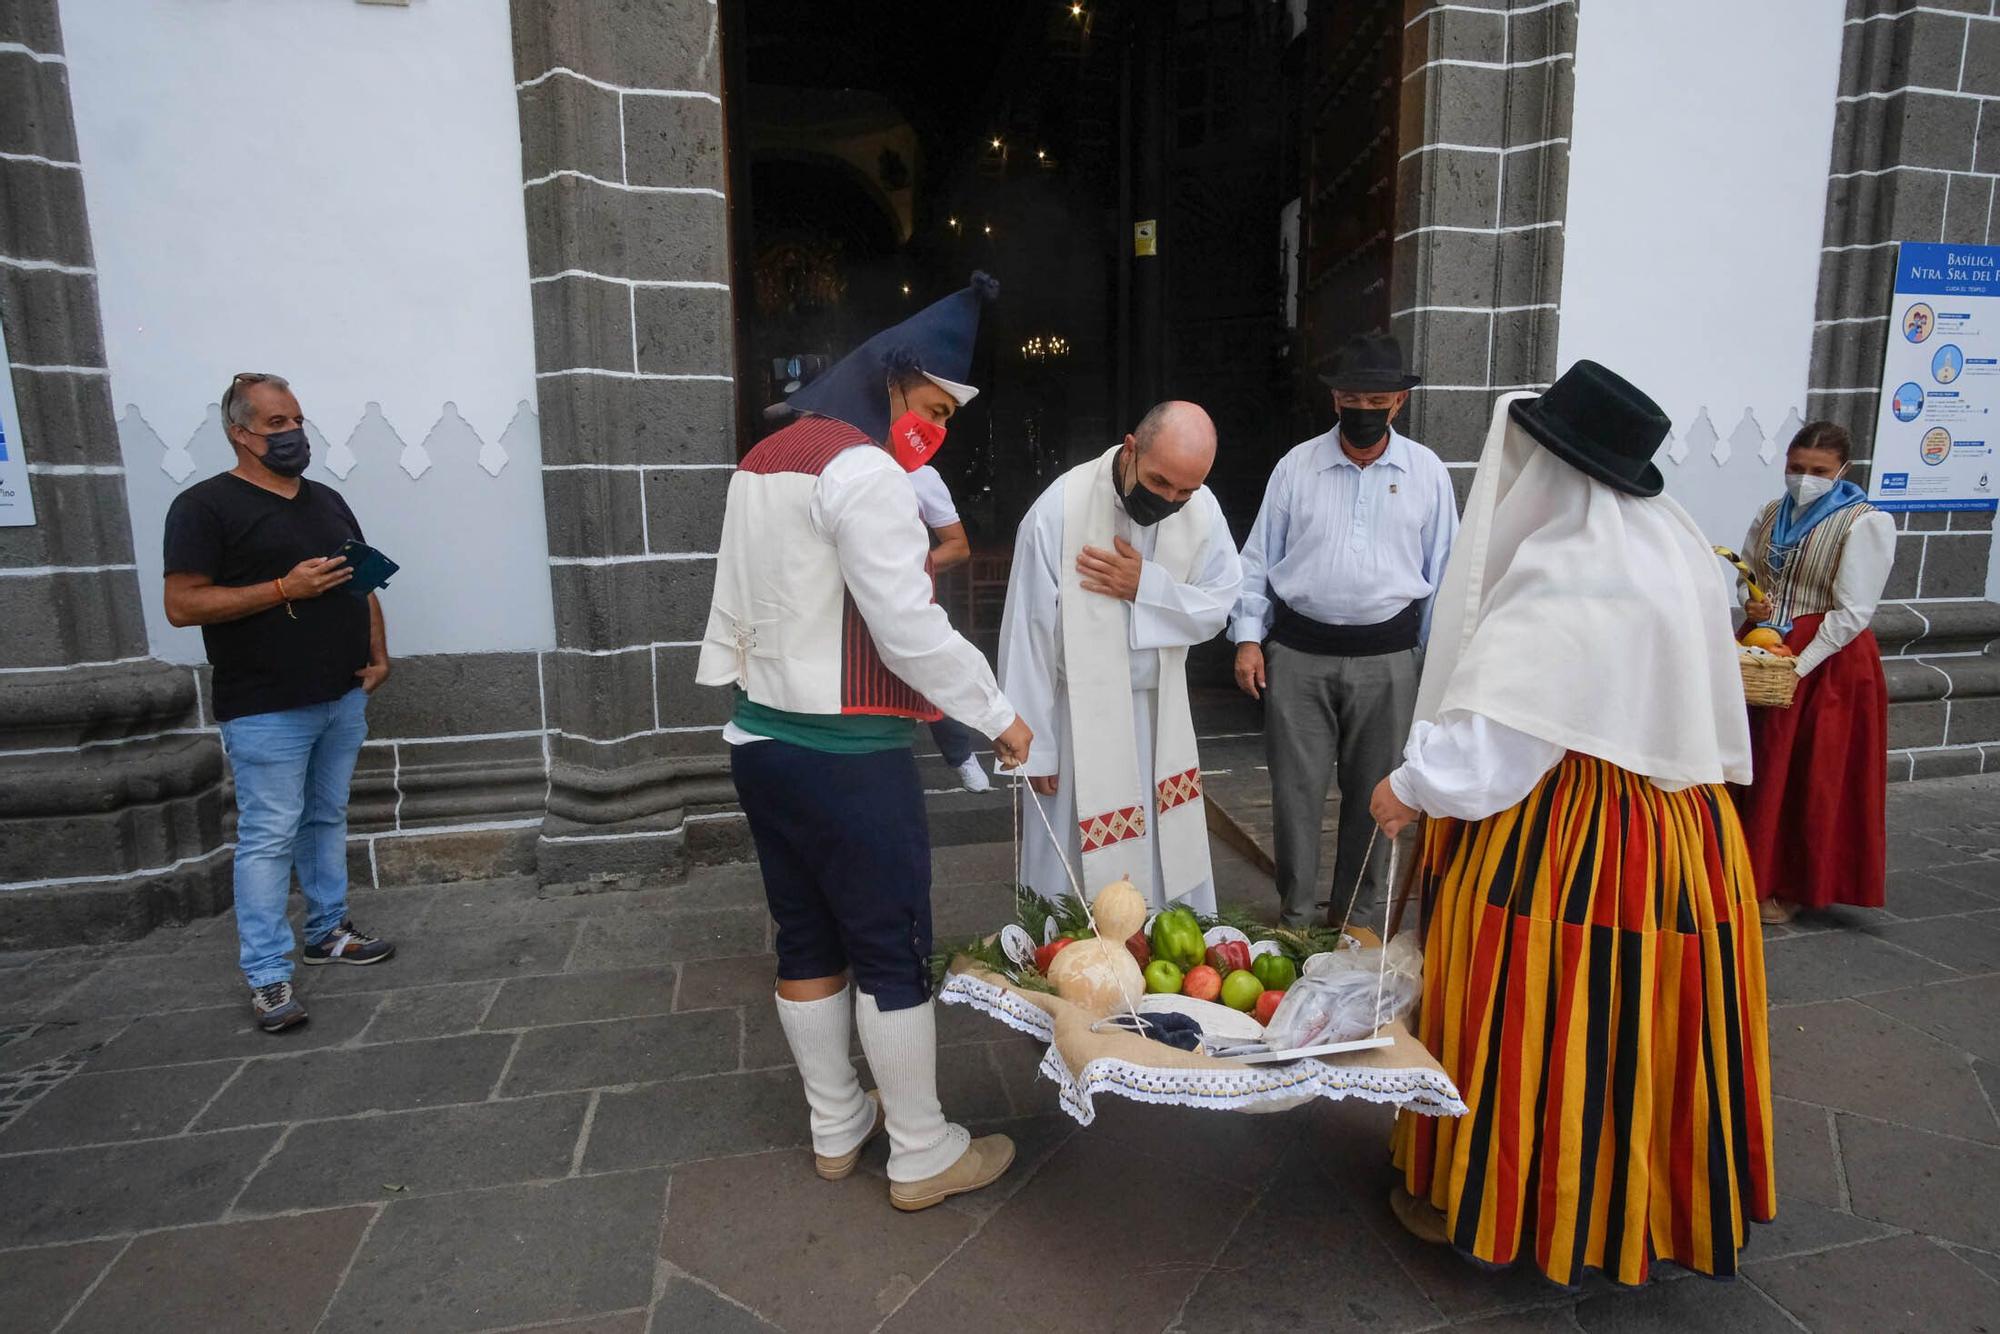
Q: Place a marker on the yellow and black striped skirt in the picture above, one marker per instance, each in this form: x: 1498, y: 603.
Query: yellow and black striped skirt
x: 1594, y: 983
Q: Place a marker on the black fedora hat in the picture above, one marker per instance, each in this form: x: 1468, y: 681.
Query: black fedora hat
x: 1369, y: 363
x: 1601, y: 424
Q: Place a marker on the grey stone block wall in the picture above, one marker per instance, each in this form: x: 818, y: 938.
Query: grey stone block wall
x: 1916, y: 157
x: 624, y: 178
x: 1482, y: 189
x: 111, y: 805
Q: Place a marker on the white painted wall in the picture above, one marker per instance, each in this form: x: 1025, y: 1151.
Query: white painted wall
x: 1697, y: 197
x: 330, y: 191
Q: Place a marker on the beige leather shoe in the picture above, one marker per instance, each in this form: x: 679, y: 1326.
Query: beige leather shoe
x: 1775, y: 912
x: 1420, y: 1218
x: 982, y: 1163
x: 838, y: 1169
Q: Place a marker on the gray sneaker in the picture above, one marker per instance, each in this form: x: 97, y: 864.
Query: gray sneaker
x: 276, y: 1007
x: 348, y: 943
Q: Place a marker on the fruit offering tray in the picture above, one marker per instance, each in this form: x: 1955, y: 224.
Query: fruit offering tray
x: 1008, y: 978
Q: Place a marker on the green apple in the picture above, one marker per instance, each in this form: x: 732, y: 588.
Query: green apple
x: 1163, y: 977
x: 1241, y: 989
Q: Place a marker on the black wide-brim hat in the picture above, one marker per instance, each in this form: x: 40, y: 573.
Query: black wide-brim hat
x: 1370, y: 364
x: 1601, y: 424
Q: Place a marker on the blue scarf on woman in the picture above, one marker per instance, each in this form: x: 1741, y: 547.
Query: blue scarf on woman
x: 1794, y: 523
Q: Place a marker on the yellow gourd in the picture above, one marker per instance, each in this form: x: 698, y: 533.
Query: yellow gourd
x: 1099, y: 974
x: 1119, y: 910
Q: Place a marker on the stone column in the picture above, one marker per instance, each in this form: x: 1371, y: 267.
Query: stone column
x: 1914, y: 159
x: 110, y: 795
x: 623, y: 181
x: 1482, y: 191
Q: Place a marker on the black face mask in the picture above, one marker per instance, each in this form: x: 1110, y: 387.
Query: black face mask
x: 1364, y: 427
x: 287, y: 453
x: 1147, y: 506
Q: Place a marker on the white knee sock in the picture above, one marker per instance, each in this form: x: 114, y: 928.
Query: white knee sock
x: 817, y: 1033
x: 902, y: 1051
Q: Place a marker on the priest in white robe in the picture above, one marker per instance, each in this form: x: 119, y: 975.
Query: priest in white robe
x: 1121, y: 565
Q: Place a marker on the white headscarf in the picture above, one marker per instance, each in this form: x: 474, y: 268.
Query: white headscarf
x: 1594, y: 620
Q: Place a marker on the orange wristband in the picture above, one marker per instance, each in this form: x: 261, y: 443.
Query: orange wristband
x: 282, y: 596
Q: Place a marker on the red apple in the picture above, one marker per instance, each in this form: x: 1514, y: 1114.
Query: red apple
x: 1047, y: 953
x: 1141, y: 951
x: 1267, y: 1005
x: 1203, y: 983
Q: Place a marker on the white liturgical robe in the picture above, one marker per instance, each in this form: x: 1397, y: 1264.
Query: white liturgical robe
x: 1170, y: 614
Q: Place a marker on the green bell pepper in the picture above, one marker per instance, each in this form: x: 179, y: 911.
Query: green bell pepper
x: 1275, y: 971
x: 1177, y: 938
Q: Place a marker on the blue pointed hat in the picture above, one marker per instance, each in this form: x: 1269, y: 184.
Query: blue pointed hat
x: 936, y: 341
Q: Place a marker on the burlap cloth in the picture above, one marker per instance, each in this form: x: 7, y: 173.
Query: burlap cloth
x: 1083, y: 1064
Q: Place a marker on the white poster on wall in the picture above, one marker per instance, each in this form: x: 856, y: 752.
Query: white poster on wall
x: 1936, y: 429
x: 17, y: 506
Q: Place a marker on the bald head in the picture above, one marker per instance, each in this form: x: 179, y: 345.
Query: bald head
x: 1172, y: 448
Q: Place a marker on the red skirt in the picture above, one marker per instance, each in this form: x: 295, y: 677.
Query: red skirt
x: 1814, y: 812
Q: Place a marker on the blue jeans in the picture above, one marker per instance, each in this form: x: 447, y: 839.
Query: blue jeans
x: 292, y: 772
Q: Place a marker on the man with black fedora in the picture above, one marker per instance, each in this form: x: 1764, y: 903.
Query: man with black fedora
x: 1593, y: 965
x: 1338, y: 573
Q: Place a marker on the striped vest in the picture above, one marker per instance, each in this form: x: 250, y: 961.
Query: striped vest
x: 782, y: 626
x: 1805, y: 588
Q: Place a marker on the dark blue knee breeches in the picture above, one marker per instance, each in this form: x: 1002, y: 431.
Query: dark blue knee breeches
x: 846, y: 856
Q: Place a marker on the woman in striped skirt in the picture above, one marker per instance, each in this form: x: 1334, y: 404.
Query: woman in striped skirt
x: 1594, y: 976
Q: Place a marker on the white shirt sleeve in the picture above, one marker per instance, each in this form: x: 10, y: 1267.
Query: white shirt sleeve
x: 1468, y: 767
x: 1865, y: 563
x: 1168, y: 613
x: 934, y: 503
x: 864, y: 505
x: 1264, y: 548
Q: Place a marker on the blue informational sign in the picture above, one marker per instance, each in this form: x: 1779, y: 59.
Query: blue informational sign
x: 17, y: 505
x: 1937, y: 428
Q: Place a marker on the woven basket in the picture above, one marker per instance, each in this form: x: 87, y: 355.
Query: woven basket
x: 1769, y: 682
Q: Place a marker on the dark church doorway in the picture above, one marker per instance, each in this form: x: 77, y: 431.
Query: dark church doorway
x: 1181, y: 198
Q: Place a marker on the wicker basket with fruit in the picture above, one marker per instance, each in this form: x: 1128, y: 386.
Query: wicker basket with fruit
x: 1770, y: 669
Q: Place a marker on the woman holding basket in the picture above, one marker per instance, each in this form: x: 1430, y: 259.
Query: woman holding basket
x: 1593, y: 966
x: 1814, y: 816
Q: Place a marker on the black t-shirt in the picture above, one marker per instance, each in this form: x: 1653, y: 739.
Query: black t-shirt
x: 239, y: 534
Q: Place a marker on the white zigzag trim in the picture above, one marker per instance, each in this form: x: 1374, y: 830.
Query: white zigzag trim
x: 1004, y: 1005
x: 1260, y: 1088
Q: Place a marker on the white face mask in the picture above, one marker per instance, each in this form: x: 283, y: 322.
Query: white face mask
x: 1804, y: 488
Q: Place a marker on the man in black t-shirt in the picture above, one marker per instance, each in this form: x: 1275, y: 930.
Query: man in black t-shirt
x: 251, y: 558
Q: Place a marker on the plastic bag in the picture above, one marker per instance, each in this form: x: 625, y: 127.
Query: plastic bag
x: 1336, y: 999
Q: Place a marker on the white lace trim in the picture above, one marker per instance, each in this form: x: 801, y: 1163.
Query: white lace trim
x: 1258, y: 1087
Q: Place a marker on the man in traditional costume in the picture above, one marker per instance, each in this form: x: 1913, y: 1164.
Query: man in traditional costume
x: 1338, y: 574
x: 823, y: 626
x: 1815, y: 817
x: 1594, y: 967
x: 1119, y: 567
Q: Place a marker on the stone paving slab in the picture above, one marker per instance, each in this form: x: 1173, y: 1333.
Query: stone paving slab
x: 810, y: 1255
x: 577, y: 1112
x: 517, y: 1255
x: 626, y: 993
x: 380, y: 1078
x: 76, y: 1194
x: 401, y: 1155
x: 1843, y: 1054
x: 622, y: 1051
x: 275, y: 1275
x: 1899, y: 1284
x: 44, y: 1284
x: 224, y: 1031
x: 92, y: 1108
x: 1945, y: 1187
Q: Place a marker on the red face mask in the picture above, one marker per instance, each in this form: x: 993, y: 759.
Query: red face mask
x: 914, y: 440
